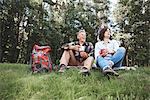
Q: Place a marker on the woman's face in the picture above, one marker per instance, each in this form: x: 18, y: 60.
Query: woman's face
x: 107, y: 34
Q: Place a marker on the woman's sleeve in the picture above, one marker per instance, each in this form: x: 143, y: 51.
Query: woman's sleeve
x: 116, y: 45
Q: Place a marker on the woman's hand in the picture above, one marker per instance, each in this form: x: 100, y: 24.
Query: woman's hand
x: 111, y: 51
x: 103, y: 52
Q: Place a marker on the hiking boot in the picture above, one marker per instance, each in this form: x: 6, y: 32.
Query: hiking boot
x: 111, y: 63
x: 62, y: 68
x: 84, y: 71
x: 110, y: 71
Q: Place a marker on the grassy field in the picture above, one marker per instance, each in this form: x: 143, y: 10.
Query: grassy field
x: 17, y: 83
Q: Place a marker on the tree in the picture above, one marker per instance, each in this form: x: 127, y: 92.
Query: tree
x: 28, y: 22
x: 132, y: 18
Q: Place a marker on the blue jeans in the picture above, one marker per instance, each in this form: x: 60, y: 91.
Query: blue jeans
x: 117, y: 59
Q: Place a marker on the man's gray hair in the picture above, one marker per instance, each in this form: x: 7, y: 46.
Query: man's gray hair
x: 80, y: 31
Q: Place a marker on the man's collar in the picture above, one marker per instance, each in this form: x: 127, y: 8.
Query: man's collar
x: 85, y: 43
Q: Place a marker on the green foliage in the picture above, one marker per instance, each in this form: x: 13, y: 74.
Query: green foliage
x: 134, y: 21
x: 16, y: 82
x: 44, y: 22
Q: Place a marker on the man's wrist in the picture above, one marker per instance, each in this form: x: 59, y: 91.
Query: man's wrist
x: 70, y: 47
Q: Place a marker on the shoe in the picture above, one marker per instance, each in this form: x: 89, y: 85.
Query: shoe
x: 84, y: 71
x: 111, y: 63
x: 110, y: 71
x: 62, y: 68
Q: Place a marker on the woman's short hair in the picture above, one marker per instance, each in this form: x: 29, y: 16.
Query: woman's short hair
x: 102, y: 32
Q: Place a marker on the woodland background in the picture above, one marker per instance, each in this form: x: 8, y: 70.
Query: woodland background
x: 24, y: 23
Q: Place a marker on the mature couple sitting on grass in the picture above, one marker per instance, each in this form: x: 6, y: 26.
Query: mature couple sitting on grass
x: 80, y: 54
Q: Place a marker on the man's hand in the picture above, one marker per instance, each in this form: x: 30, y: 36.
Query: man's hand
x: 74, y: 47
x: 83, y: 55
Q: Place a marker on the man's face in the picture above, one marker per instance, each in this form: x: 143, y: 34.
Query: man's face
x: 81, y: 36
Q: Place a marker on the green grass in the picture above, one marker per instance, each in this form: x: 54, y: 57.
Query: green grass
x: 17, y: 83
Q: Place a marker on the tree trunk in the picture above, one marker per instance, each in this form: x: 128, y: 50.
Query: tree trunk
x: 0, y: 44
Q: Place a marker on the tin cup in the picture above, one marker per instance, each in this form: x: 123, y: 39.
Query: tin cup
x: 81, y: 48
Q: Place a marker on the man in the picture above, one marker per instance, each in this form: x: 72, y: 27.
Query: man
x: 78, y: 54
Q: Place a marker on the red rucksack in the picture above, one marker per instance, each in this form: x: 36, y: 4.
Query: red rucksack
x: 41, y: 60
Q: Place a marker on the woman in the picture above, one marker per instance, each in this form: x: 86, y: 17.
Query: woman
x: 108, y: 54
